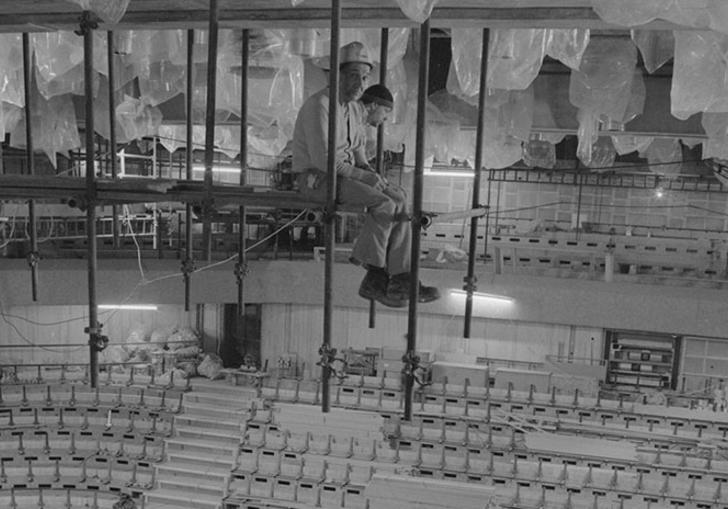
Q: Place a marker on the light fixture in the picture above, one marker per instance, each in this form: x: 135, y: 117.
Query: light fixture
x: 659, y: 192
x: 446, y: 173
x: 218, y: 169
x: 129, y: 307
x: 485, y: 297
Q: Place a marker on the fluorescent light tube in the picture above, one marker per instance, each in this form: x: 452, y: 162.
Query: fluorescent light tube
x: 483, y: 296
x: 129, y: 307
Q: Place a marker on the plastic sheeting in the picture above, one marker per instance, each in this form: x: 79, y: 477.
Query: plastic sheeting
x: 603, y: 83
x: 111, y: 11
x: 514, y: 57
x: 626, y: 143
x: 656, y: 47
x: 11, y: 69
x: 664, y: 155
x: 539, y: 153
x: 417, y: 10
x: 700, y: 73
x: 700, y: 14
x: 567, y: 46
x: 137, y: 118
x: 716, y: 127
x: 54, y: 126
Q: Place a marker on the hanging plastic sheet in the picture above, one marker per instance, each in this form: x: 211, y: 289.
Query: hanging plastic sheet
x: 539, y: 153
x: 467, y: 50
x: 664, y: 155
x: 54, y: 126
x: 514, y: 57
x: 137, y: 119
x: 56, y: 53
x: 656, y: 47
x: 716, y: 127
x: 628, y: 12
x: 111, y: 11
x: 603, y: 154
x: 567, y: 46
x: 515, y: 114
x: 163, y: 81
x: 698, y: 14
x: 700, y: 74
x: 11, y: 69
x: 417, y: 10
x: 603, y: 83
x: 627, y: 143
x: 10, y: 116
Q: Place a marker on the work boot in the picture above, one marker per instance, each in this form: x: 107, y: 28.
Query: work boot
x: 399, y: 287
x: 374, y: 287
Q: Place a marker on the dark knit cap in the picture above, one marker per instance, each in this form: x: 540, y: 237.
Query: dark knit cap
x: 378, y: 94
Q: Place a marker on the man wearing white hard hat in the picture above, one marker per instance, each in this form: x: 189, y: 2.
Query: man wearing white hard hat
x: 384, y: 241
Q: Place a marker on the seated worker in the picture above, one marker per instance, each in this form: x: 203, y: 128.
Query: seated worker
x: 383, y: 244
x: 378, y: 103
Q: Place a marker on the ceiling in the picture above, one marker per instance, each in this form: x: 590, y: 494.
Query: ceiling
x: 42, y: 15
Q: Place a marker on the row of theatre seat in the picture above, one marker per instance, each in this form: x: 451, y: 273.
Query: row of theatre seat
x: 67, y: 445
x: 675, y: 466
x: 378, y: 394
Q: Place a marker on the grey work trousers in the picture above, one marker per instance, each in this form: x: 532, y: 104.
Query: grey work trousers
x: 385, y: 239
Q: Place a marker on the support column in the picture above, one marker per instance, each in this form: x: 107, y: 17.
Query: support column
x: 327, y: 352
x: 95, y: 340
x: 411, y: 360
x: 379, y: 163
x: 188, y: 264
x: 33, y: 256
x: 210, y: 129
x: 470, y: 280
x: 241, y: 267
x: 112, y: 132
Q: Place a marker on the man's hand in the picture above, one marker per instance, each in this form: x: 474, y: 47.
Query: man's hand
x: 373, y: 179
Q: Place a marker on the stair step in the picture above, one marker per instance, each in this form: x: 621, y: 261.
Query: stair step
x: 177, y: 498
x: 204, y: 460
x: 215, y: 411
x: 221, y: 386
x: 199, y: 445
x: 198, y: 433
x: 199, y: 487
x: 207, y: 423
x: 219, y: 399
x: 183, y: 469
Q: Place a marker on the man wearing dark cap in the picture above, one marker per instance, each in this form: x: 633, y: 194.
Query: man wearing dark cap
x: 383, y: 244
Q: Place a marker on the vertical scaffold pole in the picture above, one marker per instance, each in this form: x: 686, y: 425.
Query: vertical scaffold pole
x: 94, y: 328
x: 470, y: 279
x: 414, y: 293
x: 330, y: 217
x: 33, y: 256
x: 241, y: 266
x: 112, y: 132
x: 379, y: 162
x: 188, y: 264
x: 210, y: 128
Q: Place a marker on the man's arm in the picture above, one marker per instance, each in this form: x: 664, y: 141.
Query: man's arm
x: 318, y: 146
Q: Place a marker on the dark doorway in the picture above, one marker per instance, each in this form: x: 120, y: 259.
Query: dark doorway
x: 241, y: 340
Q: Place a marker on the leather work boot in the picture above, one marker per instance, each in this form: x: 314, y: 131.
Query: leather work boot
x: 374, y: 287
x: 399, y: 287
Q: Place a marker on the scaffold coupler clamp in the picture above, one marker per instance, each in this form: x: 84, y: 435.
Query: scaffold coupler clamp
x: 329, y: 215
x: 88, y: 22
x: 33, y: 259
x: 188, y: 267
x: 240, y: 270
x: 328, y: 360
x: 470, y: 283
x: 96, y: 340
x: 412, y: 367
